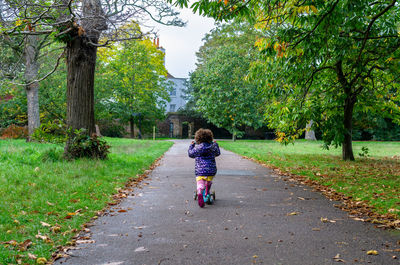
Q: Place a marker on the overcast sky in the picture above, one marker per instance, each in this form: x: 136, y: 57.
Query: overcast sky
x: 181, y: 44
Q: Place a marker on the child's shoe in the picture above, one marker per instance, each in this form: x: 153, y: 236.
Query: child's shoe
x: 200, y: 200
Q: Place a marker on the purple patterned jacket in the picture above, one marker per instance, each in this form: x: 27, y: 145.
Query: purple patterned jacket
x: 204, y: 155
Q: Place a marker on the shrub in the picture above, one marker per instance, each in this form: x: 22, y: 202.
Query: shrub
x: 83, y: 145
x: 14, y: 132
x: 50, y: 132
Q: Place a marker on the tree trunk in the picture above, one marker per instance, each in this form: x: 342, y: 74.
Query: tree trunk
x: 31, y: 53
x: 140, y: 128
x: 132, y: 127
x: 347, y: 147
x: 234, y: 136
x: 310, y: 134
x: 81, y: 61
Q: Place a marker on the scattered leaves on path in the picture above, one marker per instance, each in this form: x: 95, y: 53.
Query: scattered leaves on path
x: 372, y: 252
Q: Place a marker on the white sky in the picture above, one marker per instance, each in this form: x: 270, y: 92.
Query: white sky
x: 181, y: 43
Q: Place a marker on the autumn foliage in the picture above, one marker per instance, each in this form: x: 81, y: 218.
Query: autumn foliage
x: 14, y: 132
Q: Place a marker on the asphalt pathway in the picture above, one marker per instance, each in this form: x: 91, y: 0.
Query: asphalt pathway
x: 258, y: 218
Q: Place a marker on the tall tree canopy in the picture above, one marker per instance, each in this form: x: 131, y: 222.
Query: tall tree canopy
x: 322, y: 60
x: 132, y: 82
x: 223, y: 95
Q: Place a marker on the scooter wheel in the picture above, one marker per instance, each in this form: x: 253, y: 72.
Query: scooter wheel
x: 195, y: 195
x: 213, y: 195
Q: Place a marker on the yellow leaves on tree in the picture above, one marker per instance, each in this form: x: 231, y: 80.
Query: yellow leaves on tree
x: 280, y: 49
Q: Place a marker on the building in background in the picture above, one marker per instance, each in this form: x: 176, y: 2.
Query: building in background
x: 176, y: 94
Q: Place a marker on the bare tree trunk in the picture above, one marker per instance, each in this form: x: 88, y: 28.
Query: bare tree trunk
x: 31, y: 53
x: 347, y: 147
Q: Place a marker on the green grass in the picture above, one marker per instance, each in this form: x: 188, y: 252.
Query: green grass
x: 374, y: 180
x: 37, y: 185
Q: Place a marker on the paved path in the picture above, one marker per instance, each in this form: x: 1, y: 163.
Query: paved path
x: 250, y: 223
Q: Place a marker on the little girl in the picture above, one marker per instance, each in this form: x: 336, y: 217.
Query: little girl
x: 204, y: 153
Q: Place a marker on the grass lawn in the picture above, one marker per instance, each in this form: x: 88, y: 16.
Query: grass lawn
x: 44, y: 198
x: 374, y: 179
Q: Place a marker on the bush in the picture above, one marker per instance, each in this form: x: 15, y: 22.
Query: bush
x: 14, y: 132
x: 50, y: 132
x: 83, y: 145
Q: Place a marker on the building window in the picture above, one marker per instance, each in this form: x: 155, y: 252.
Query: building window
x: 173, y: 92
x: 172, y: 108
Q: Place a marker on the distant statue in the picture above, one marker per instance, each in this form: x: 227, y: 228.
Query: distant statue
x: 310, y: 134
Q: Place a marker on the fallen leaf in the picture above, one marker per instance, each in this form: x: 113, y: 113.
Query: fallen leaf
x: 139, y: 227
x: 372, y: 252
x: 60, y: 255
x: 141, y: 249
x: 292, y: 213
x: 31, y: 256
x: 122, y: 211
x: 316, y: 229
x: 55, y: 229
x: 338, y: 259
x: 25, y: 245
x: 41, y: 261
x: 49, y: 203
x: 255, y: 256
x: 326, y: 220
x: 43, y: 237
x: 11, y: 242
x: 45, y: 224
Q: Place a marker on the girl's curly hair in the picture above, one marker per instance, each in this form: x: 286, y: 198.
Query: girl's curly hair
x: 203, y: 136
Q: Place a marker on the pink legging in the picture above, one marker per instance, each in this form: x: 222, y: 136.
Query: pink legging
x: 203, y: 184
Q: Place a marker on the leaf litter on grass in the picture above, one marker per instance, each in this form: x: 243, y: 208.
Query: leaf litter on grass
x: 368, y: 188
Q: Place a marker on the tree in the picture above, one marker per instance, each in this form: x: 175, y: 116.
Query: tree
x: 323, y: 61
x: 79, y: 25
x: 135, y: 76
x: 222, y: 94
x: 30, y: 50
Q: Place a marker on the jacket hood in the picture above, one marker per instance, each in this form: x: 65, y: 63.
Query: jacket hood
x: 206, y: 147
